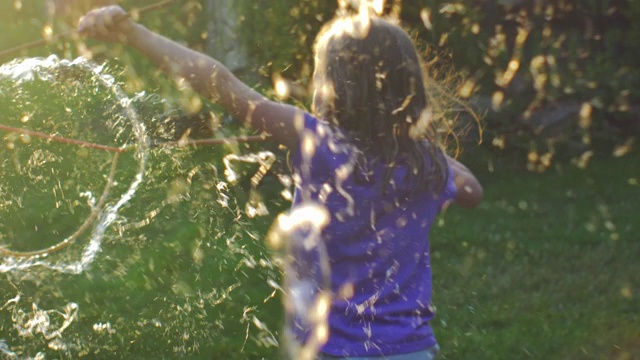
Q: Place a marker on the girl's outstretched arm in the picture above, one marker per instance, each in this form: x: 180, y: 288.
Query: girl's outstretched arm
x: 204, y: 74
x: 470, y: 191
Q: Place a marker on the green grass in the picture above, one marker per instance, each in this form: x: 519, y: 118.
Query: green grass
x: 546, y: 268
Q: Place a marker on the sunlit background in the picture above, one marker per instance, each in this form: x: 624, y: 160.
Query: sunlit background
x: 175, y: 263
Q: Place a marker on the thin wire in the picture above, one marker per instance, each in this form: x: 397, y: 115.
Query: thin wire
x: 67, y: 34
x: 178, y: 143
x: 61, y: 139
x: 209, y: 142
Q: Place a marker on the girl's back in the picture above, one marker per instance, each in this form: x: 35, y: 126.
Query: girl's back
x: 376, y: 241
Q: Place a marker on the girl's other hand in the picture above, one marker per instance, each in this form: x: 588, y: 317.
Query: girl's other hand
x: 110, y: 24
x: 470, y: 192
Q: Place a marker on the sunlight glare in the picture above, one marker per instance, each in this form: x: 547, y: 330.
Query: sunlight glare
x: 378, y: 6
x: 281, y: 86
x: 425, y: 15
x: 47, y: 32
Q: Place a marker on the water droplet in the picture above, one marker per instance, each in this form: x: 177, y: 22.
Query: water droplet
x: 401, y: 222
x: 281, y: 86
x: 47, y: 32
x: 585, y: 115
x: 425, y: 15
x: 523, y: 205
x: 499, y: 142
x: 496, y: 100
x: 626, y: 292
x: 624, y: 149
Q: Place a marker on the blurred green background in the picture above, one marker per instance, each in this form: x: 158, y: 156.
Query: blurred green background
x: 545, y: 268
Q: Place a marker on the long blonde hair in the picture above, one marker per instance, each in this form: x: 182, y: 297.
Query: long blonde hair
x: 370, y: 84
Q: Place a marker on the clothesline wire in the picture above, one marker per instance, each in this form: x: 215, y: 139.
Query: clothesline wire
x: 176, y: 143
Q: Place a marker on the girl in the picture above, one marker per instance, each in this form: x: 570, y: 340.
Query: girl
x: 367, y: 154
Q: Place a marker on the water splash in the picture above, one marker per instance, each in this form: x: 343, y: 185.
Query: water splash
x: 64, y: 84
x: 301, y: 253
x: 254, y: 206
x: 48, y: 324
x: 40, y: 321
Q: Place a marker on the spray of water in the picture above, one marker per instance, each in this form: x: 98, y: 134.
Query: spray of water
x: 20, y: 82
x: 42, y: 95
x: 254, y: 206
x: 184, y: 247
x: 295, y: 236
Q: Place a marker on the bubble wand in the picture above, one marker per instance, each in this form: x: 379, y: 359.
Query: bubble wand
x: 110, y: 179
x: 96, y: 211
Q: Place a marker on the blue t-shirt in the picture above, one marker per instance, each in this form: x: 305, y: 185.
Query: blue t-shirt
x: 377, y: 244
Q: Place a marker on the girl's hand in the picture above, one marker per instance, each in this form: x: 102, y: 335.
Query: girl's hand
x: 110, y: 24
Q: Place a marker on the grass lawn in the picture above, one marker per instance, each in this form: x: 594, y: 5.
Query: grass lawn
x: 546, y: 268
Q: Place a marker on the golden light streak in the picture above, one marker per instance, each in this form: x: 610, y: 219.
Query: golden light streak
x: 585, y: 115
x: 514, y: 63
x: 496, y: 100
x: 425, y: 15
x: 466, y: 90
x: 546, y: 159
x: 508, y: 75
x: 624, y: 149
x: 583, y: 161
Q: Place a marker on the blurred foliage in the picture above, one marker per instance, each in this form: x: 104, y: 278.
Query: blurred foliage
x: 280, y: 35
x: 552, y: 79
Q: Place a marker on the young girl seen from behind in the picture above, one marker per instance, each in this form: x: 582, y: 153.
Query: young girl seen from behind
x: 367, y: 156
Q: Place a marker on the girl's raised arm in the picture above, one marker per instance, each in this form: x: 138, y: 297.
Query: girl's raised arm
x: 204, y: 74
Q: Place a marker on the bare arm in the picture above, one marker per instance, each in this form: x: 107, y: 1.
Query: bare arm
x: 470, y: 191
x: 204, y: 74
